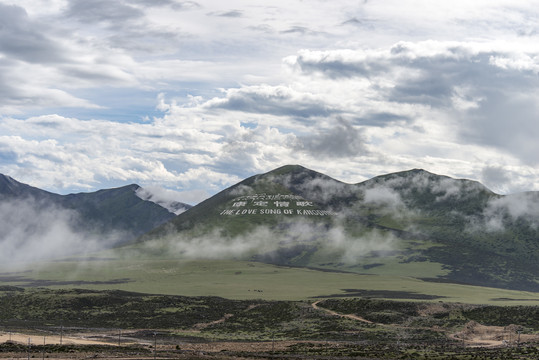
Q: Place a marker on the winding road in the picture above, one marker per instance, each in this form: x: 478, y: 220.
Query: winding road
x: 348, y: 316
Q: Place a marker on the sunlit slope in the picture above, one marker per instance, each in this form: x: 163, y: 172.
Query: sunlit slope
x: 412, y: 223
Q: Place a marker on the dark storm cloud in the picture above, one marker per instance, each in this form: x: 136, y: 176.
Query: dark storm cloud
x: 23, y: 39
x: 342, y: 140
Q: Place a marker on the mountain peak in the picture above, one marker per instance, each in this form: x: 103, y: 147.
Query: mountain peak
x: 295, y: 173
x: 285, y: 169
x: 422, y: 178
x: 10, y: 187
x: 8, y: 184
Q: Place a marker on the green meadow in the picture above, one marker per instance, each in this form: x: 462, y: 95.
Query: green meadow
x: 243, y: 280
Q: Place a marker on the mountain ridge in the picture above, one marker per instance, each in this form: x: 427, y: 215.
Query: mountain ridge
x: 456, y: 229
x: 100, y: 213
x: 410, y: 223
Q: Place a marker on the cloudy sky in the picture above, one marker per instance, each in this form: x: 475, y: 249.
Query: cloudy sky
x: 194, y: 96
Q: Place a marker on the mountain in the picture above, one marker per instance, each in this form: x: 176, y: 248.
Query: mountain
x: 11, y: 189
x: 110, y: 216
x: 411, y: 223
x: 118, y: 209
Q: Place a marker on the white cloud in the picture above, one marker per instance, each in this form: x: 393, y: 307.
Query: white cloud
x: 264, y: 241
x: 169, y: 199
x: 31, y: 231
x: 352, y: 89
x: 385, y: 197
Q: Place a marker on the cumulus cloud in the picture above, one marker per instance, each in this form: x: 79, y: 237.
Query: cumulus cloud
x: 233, y: 107
x: 488, y: 89
x: 96, y: 147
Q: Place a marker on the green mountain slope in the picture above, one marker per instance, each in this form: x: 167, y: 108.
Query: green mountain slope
x: 411, y: 223
x: 32, y: 211
x: 476, y: 234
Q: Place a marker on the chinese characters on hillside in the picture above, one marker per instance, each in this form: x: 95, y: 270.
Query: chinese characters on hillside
x: 279, y: 204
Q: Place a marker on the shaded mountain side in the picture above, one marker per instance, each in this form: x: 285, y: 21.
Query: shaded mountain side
x: 117, y: 210
x: 456, y: 229
x: 484, y: 238
x: 12, y: 189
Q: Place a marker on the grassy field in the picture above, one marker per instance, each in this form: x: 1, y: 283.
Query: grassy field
x: 244, y: 280
x: 332, y: 328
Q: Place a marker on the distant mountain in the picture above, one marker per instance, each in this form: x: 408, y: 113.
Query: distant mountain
x: 12, y: 189
x: 110, y: 216
x: 411, y: 223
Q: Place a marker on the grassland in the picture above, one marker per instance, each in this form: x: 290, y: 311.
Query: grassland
x: 242, y: 280
x: 229, y: 309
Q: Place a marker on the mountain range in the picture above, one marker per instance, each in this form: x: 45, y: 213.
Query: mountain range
x: 411, y: 223
x: 27, y: 212
x: 408, y: 223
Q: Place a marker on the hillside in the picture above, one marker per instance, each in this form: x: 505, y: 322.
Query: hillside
x: 410, y: 223
x: 12, y: 189
x: 37, y: 224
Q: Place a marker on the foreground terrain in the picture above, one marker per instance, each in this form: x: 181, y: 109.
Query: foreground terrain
x: 65, y: 324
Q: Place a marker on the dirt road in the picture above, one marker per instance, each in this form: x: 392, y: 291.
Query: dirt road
x: 53, y: 339
x: 348, y: 316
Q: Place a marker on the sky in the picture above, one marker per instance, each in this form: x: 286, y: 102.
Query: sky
x: 190, y: 97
